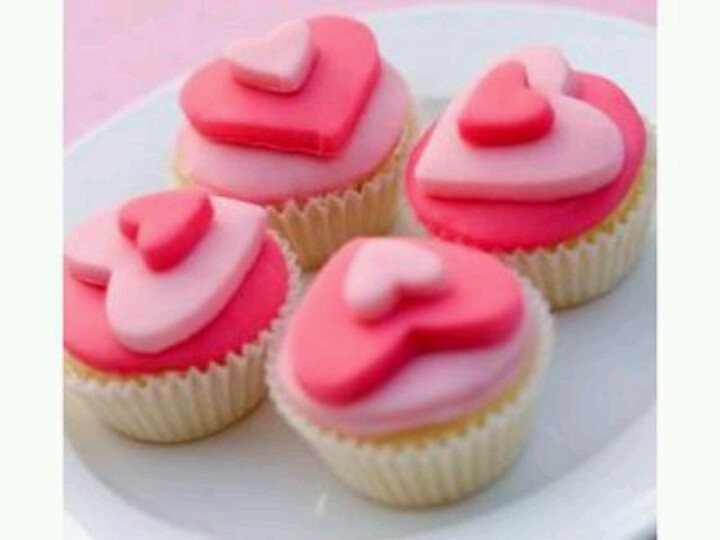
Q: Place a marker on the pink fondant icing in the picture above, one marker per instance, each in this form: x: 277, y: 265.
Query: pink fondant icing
x: 386, y: 270
x: 508, y: 225
x: 278, y: 62
x: 582, y: 153
x: 430, y: 388
x: 264, y: 176
x: 503, y: 109
x: 255, y: 303
x: 150, y: 311
x: 166, y: 226
x: 317, y: 119
x: 338, y: 359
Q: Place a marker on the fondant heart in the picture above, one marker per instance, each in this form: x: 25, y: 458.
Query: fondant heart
x: 279, y: 62
x: 581, y: 153
x: 166, y: 226
x: 507, y: 225
x: 150, y: 311
x: 503, y: 110
x: 338, y: 359
x: 384, y: 271
x: 317, y: 119
x: 547, y: 69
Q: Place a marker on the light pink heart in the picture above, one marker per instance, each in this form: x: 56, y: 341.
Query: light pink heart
x: 151, y: 311
x: 385, y: 270
x: 547, y: 69
x: 581, y: 153
x: 278, y: 62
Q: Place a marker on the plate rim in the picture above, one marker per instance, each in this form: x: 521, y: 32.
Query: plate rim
x: 643, y: 518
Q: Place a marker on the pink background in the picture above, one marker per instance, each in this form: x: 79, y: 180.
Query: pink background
x: 118, y: 50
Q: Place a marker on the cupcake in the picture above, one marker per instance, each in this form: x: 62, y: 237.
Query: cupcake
x: 546, y: 167
x: 170, y: 302
x: 412, y: 367
x: 308, y: 121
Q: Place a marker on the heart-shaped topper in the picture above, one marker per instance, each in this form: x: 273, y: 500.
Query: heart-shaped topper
x: 317, y: 119
x: 385, y: 271
x: 338, y: 359
x: 278, y: 62
x: 581, y: 153
x: 166, y: 226
x: 151, y: 311
x: 503, y: 109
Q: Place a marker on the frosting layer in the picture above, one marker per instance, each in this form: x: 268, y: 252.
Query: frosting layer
x: 339, y: 359
x: 265, y: 176
x: 430, y: 389
x: 507, y: 225
x: 256, y: 302
x: 150, y: 310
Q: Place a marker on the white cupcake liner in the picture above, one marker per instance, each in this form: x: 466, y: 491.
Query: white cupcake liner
x: 175, y: 406
x: 316, y: 228
x: 437, y: 471
x: 574, y: 274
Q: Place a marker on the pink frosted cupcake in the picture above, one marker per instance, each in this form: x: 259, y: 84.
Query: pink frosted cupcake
x: 308, y: 121
x: 412, y: 367
x: 170, y: 302
x: 546, y: 167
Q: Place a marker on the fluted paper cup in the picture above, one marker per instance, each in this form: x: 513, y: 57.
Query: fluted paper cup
x: 440, y: 470
x: 181, y: 406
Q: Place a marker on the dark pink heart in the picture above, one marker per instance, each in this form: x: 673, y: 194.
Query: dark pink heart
x: 317, y: 119
x: 166, y: 226
x: 503, y: 109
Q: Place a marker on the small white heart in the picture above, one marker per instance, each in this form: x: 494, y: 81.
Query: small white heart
x: 278, y: 62
x: 384, y: 270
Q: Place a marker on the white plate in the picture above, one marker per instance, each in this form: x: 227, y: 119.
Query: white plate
x: 589, y: 468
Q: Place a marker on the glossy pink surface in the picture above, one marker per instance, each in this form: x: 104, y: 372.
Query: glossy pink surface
x: 482, y: 305
x: 88, y: 336
x: 509, y: 225
x: 117, y: 51
x: 150, y: 311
